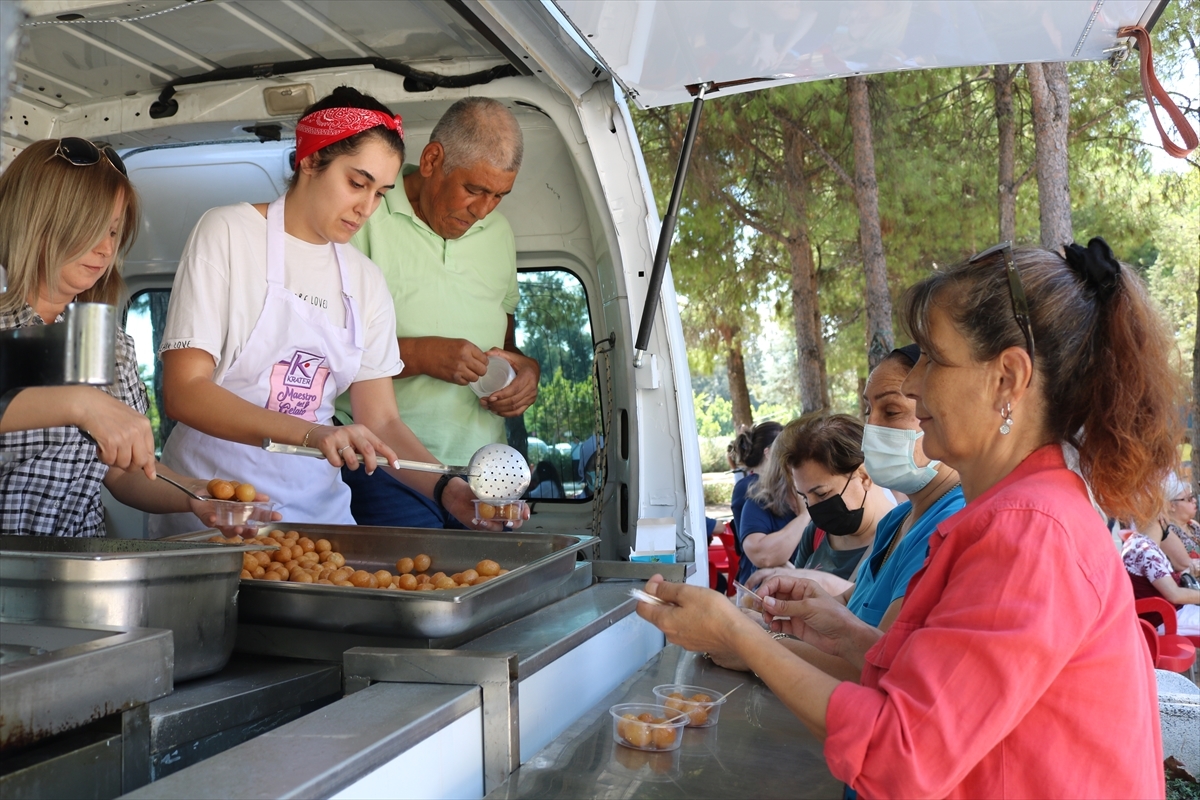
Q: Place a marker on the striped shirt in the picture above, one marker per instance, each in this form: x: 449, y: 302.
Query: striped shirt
x: 51, y: 487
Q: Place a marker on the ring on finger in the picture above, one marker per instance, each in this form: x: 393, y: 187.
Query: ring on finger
x: 347, y: 447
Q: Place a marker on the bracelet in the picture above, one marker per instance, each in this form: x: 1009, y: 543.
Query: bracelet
x: 780, y: 635
x: 439, y: 489
x: 304, y: 442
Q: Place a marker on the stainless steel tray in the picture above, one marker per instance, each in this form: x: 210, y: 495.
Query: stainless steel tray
x: 129, y: 583
x: 534, y: 560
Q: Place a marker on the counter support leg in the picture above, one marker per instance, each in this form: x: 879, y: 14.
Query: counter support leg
x: 494, y: 673
x: 135, y: 748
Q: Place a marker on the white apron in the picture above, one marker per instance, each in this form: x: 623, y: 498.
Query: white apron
x: 295, y: 362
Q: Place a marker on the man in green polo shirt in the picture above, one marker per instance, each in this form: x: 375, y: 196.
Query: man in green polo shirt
x: 451, y: 266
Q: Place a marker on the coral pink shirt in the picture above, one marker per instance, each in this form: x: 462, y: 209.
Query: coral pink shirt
x: 1016, y: 667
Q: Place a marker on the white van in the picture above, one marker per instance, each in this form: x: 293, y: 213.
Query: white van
x: 201, y: 98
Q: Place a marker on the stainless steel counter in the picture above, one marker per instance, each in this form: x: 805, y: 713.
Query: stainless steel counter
x: 759, y: 748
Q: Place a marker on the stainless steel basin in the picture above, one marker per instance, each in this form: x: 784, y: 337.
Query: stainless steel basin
x: 190, y: 589
x: 54, y: 678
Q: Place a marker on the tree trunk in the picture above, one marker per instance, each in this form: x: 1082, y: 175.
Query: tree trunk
x: 1050, y: 101
x: 735, y: 367
x: 1006, y: 131
x: 814, y: 395
x: 866, y: 194
x: 1195, y: 405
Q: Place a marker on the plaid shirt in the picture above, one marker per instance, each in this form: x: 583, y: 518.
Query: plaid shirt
x: 53, y: 486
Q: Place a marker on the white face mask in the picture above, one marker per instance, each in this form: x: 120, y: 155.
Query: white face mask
x: 890, y: 459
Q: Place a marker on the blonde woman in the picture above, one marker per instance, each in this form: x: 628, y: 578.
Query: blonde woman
x: 67, y: 214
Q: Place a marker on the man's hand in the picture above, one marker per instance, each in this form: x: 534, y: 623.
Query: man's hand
x: 451, y: 360
x: 512, y: 400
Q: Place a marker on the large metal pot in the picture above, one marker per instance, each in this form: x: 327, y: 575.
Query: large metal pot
x: 127, y: 583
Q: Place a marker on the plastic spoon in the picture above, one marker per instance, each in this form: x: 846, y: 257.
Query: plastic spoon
x: 183, y: 489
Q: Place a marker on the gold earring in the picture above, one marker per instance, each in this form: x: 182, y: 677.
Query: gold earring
x: 1006, y: 426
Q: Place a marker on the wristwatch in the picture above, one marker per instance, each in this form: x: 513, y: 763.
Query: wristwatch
x: 439, y: 488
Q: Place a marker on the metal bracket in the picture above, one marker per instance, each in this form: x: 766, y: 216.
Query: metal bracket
x: 494, y: 673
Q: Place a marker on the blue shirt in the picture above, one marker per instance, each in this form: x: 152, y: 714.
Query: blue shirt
x: 756, y: 519
x: 877, y: 587
x: 738, y: 501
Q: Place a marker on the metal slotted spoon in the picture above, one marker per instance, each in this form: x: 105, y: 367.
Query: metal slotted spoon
x: 496, y: 472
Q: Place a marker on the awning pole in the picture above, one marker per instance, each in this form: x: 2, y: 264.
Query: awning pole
x: 667, y: 232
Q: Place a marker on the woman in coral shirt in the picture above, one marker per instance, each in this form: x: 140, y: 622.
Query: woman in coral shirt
x: 1017, y: 655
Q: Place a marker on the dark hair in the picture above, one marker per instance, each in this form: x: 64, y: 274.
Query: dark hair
x: 347, y: 97
x: 750, y: 444
x: 833, y: 441
x: 1103, y: 357
x: 907, y: 355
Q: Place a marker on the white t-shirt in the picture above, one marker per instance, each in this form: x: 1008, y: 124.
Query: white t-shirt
x: 213, y: 313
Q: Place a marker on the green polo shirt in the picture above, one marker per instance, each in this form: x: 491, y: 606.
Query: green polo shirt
x: 462, y: 288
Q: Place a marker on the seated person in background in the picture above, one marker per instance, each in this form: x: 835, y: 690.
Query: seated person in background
x: 768, y: 530
x: 896, y: 461
x: 1166, y: 535
x: 749, y: 452
x: 1180, y: 517
x: 451, y: 266
x: 1151, y: 574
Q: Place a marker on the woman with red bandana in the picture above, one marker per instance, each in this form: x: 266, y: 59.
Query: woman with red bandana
x: 273, y: 316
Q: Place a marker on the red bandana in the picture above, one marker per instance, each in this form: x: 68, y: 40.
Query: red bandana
x: 320, y: 129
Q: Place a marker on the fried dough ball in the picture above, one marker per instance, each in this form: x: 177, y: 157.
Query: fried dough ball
x: 404, y: 565
x: 323, y: 545
x: 245, y: 492
x: 422, y: 578
x: 220, y: 489
x: 302, y: 577
x: 635, y: 732
x: 360, y: 578
x: 258, y: 572
x: 437, y: 576
x: 245, y: 574
x: 488, y: 568
x: 408, y: 582
x: 324, y: 581
x: 425, y: 587
x: 445, y: 583
x: 468, y: 576
x: 306, y: 544
x: 272, y: 576
x: 487, y: 511
x: 338, y: 560
x: 662, y: 737
x: 421, y: 563
x: 457, y: 577
x: 383, y: 576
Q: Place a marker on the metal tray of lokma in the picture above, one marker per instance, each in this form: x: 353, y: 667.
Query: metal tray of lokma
x: 534, y: 561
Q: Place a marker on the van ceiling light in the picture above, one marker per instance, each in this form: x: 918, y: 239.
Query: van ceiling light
x: 291, y: 99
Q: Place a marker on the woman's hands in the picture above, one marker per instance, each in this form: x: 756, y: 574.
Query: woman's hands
x: 342, y: 445
x: 698, y: 619
x: 204, y: 510
x: 831, y: 583
x: 458, y: 500
x: 123, y: 436
x: 816, y: 618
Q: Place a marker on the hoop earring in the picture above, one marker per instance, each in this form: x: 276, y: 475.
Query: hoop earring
x: 1006, y: 426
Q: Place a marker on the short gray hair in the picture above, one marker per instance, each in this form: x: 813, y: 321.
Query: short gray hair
x: 478, y: 129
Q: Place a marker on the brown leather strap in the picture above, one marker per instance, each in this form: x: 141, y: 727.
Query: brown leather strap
x: 1155, y: 91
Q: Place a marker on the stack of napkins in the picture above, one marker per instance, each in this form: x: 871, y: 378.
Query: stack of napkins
x: 654, y: 541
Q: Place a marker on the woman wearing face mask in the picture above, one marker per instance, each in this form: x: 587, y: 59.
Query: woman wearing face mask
x: 823, y: 458
x: 272, y: 317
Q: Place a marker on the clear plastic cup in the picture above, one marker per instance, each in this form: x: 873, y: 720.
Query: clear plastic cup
x: 691, y: 701
x: 251, y: 515
x: 744, y: 598
x: 499, y: 374
x: 644, y: 726
x: 499, y: 510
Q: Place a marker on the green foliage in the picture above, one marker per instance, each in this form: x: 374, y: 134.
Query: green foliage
x: 1181, y: 789
x: 718, y: 493
x: 712, y: 453
x: 936, y: 147
x: 565, y: 410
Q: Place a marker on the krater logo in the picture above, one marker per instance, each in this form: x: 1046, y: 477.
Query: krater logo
x: 302, y: 369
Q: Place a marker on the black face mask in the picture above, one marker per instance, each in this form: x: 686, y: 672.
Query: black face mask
x: 834, y: 518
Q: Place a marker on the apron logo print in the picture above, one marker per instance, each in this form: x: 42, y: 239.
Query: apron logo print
x: 302, y: 369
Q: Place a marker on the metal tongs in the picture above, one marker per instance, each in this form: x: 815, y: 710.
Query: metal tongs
x: 496, y: 472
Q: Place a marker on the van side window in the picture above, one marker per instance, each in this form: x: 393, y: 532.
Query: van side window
x: 145, y: 320
x: 558, y: 433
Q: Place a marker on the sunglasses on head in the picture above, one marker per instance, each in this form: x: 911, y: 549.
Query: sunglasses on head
x: 1020, y: 304
x: 83, y: 153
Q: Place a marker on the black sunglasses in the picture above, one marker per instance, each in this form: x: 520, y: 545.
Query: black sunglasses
x: 83, y: 153
x: 1020, y: 304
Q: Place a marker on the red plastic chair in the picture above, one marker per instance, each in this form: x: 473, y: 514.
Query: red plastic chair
x: 717, y: 562
x: 731, y: 557
x: 1151, y: 634
x: 1175, y: 652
